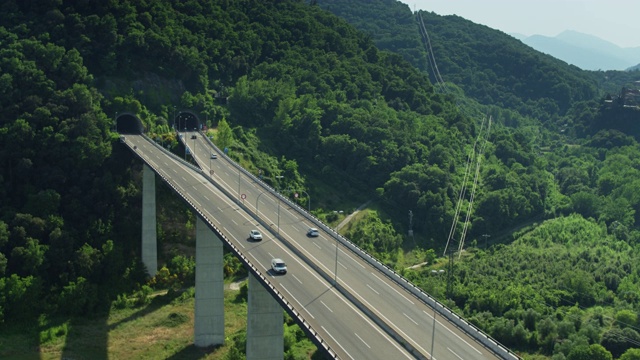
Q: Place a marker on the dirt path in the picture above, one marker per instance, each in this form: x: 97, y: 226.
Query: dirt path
x: 348, y: 218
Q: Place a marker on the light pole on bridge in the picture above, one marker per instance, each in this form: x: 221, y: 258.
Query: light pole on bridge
x: 278, y: 197
x: 308, y: 201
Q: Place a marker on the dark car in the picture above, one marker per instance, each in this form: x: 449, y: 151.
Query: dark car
x: 193, y: 136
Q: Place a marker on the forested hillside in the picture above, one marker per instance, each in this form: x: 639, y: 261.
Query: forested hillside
x: 563, y: 170
x: 310, y: 98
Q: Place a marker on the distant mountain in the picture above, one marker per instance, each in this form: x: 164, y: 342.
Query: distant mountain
x: 488, y: 65
x: 587, y: 52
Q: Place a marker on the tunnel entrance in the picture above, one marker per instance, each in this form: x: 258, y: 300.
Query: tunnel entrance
x: 129, y: 124
x: 186, y: 121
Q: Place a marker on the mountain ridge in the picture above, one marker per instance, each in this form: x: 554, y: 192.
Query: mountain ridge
x: 585, y: 51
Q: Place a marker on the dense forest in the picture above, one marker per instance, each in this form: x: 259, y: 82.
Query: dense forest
x: 346, y: 114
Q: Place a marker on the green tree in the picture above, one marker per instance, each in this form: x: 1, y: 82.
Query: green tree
x: 225, y: 135
x: 631, y: 354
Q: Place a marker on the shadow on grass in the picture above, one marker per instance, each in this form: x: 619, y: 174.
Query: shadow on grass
x: 156, y: 303
x: 79, y: 345
x: 192, y: 352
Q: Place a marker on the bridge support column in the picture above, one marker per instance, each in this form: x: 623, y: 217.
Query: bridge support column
x: 209, y: 314
x: 265, y: 324
x: 149, y: 236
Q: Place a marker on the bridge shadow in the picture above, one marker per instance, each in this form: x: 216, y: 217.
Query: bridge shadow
x: 318, y: 296
x: 192, y: 352
x: 156, y: 303
x: 77, y: 330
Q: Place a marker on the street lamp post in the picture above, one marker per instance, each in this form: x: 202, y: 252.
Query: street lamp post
x: 258, y: 199
x: 433, y: 332
x: 308, y: 201
x: 335, y: 272
x: 278, y: 197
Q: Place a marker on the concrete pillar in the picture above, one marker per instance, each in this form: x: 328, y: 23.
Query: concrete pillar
x: 149, y: 235
x: 265, y: 324
x: 209, y: 316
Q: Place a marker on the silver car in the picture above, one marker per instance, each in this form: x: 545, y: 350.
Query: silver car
x: 278, y: 266
x: 255, y: 235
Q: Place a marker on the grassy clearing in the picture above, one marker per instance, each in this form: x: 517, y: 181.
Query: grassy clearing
x: 161, y: 330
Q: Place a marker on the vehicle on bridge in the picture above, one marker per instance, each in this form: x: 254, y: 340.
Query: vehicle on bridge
x: 255, y: 235
x: 278, y: 266
x: 313, y: 232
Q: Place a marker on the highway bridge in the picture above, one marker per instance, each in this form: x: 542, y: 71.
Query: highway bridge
x: 351, y: 306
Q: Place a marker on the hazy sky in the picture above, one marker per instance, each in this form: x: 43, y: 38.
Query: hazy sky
x: 617, y: 21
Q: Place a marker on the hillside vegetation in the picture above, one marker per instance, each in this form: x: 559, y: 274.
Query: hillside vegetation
x: 306, y: 96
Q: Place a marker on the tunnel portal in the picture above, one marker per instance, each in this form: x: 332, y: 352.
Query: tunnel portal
x: 127, y: 123
x: 186, y: 121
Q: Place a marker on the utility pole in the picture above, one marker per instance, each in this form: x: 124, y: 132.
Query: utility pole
x: 450, y: 275
x: 485, y: 236
x: 411, y: 226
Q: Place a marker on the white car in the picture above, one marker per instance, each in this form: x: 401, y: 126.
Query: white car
x: 255, y: 235
x: 313, y: 232
x: 278, y: 266
x: 214, y: 156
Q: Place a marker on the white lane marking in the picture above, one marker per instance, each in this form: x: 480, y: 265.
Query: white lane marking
x: 295, y: 277
x: 454, y: 353
x: 366, y: 319
x: 391, y: 287
x: 407, y: 316
x: 336, y: 341
x: 352, y: 259
x: 342, y: 265
x: 456, y: 335
x: 290, y: 294
x: 325, y: 305
x: 364, y: 342
x: 372, y: 289
x: 234, y: 238
x: 318, y: 246
x: 294, y: 298
x: 391, y: 323
x: 205, y: 196
x: 258, y: 262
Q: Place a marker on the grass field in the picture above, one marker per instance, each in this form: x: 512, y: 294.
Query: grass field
x: 161, y: 330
